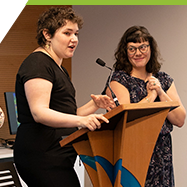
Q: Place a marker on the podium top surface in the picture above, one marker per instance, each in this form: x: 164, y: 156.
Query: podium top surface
x: 135, y: 111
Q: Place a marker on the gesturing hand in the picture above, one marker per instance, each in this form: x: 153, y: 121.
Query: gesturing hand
x: 92, y: 121
x: 103, y: 101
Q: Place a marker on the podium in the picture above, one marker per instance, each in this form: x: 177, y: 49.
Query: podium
x: 118, y: 154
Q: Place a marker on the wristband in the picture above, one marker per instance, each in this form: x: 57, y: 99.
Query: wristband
x: 147, y: 99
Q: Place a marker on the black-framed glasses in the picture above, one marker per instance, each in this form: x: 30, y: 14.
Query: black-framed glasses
x: 142, y: 48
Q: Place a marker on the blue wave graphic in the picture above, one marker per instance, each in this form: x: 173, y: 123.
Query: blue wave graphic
x: 127, y: 179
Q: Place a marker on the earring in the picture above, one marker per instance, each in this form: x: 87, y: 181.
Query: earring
x: 47, y: 45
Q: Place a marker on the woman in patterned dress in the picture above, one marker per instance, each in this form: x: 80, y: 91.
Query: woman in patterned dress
x: 138, y: 79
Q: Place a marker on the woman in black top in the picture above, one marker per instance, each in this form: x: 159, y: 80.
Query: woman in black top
x: 46, y: 104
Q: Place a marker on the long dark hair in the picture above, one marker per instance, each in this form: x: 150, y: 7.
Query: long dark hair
x: 137, y: 34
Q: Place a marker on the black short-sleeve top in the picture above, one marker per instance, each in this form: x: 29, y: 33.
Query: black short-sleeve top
x: 40, y: 65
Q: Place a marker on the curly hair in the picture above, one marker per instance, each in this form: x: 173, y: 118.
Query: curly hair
x: 137, y: 34
x: 53, y: 19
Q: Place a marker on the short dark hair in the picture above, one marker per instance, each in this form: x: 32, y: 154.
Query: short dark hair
x: 137, y: 34
x: 53, y: 19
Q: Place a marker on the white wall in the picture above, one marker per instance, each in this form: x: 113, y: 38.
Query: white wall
x: 102, y: 30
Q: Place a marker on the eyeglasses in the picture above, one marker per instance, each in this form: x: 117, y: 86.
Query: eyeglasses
x: 142, y: 48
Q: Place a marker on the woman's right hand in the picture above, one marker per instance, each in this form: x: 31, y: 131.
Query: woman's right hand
x: 93, y: 121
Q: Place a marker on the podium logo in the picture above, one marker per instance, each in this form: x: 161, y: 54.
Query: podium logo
x: 127, y: 179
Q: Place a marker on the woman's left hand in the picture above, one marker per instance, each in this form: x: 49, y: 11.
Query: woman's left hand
x: 103, y: 101
x: 154, y: 84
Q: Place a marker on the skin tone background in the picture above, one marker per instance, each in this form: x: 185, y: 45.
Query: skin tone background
x: 104, y: 26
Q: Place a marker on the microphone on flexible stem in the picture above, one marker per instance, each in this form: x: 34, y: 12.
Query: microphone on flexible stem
x: 102, y: 63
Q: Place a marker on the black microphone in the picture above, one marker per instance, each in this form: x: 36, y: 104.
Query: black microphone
x: 102, y: 63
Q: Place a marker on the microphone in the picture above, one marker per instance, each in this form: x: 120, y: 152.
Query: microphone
x: 102, y: 63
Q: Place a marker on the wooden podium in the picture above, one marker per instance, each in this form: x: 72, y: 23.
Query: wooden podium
x: 118, y: 154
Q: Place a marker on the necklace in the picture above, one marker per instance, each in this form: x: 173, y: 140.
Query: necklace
x: 49, y: 54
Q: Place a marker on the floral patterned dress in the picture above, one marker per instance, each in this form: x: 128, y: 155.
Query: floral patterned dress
x: 160, y: 172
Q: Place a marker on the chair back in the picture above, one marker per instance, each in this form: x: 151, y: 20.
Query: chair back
x: 8, y: 175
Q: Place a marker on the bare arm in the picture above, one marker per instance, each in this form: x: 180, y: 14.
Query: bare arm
x: 176, y: 116
x: 120, y: 91
x: 123, y: 95
x: 38, y: 93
